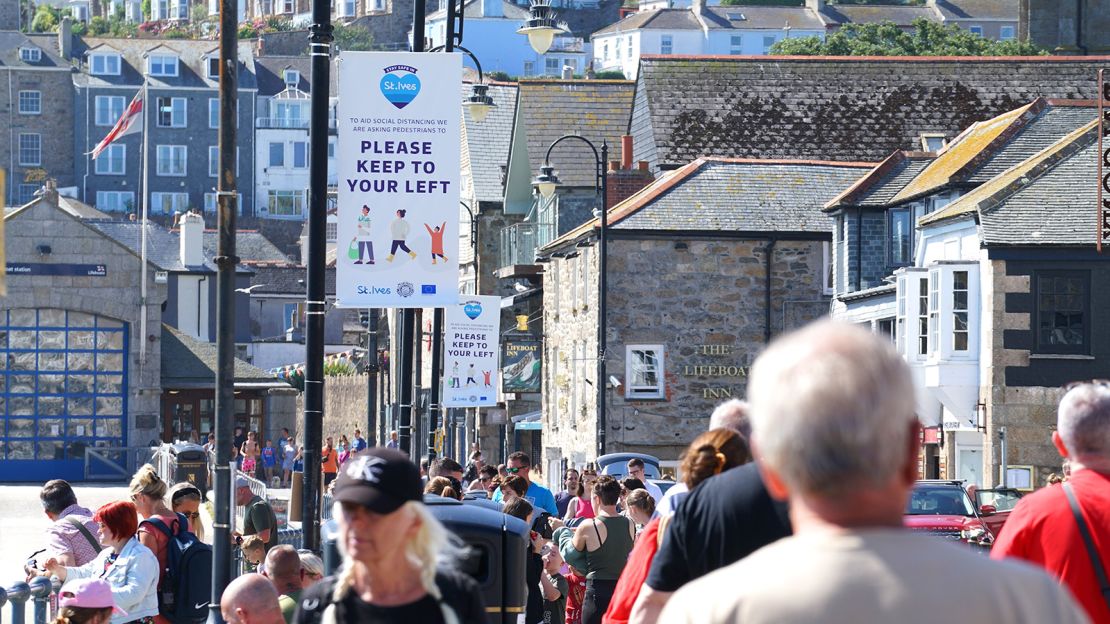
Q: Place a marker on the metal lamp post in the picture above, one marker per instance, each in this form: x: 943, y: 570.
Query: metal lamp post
x: 546, y: 182
x: 541, y: 26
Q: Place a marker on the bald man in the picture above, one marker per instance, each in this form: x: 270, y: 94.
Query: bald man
x: 283, y: 568
x: 250, y: 599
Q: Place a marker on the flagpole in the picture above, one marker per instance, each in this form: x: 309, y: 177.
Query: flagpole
x: 145, y: 198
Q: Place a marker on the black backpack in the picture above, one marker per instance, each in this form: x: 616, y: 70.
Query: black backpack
x: 186, y: 587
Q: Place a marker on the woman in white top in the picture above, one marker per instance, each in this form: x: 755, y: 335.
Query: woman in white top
x: 128, y: 566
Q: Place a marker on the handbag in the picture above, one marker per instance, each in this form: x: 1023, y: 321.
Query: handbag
x: 352, y: 250
x: 1092, y: 552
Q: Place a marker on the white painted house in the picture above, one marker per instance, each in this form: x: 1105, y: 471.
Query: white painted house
x: 700, y: 29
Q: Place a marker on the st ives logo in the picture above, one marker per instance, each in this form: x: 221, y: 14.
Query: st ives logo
x: 400, y: 85
x: 473, y: 309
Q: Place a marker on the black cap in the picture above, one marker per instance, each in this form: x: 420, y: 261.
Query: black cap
x: 380, y: 479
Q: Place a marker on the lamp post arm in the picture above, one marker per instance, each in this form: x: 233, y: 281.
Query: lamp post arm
x: 481, y: 76
x: 597, y: 158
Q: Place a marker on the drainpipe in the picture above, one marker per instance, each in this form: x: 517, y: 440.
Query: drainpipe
x: 200, y: 284
x: 769, y: 254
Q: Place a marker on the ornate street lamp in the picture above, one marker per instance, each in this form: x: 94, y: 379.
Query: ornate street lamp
x: 479, y: 103
x: 541, y: 27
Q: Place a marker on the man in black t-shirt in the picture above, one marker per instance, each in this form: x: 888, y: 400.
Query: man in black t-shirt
x: 723, y: 520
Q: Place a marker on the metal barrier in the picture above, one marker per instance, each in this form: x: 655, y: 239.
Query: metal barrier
x: 41, y: 590
x: 102, y: 457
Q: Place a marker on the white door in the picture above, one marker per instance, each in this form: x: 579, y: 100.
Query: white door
x: 969, y: 466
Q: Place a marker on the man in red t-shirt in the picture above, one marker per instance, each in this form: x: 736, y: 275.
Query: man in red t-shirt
x: 1042, y: 528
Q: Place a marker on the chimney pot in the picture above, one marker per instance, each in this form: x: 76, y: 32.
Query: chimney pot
x: 626, y: 151
x: 642, y: 165
x: 65, y: 38
x: 568, y: 72
x: 614, y: 165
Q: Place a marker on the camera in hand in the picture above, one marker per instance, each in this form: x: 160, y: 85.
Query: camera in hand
x: 541, y: 525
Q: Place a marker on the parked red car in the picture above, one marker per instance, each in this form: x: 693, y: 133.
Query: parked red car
x: 995, y: 506
x: 944, y: 509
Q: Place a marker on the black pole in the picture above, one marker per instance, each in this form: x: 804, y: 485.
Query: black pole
x: 437, y: 378
x: 320, y: 50
x: 225, y: 302
x: 372, y: 376
x: 602, y: 248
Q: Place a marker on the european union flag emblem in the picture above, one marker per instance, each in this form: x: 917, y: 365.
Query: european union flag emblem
x: 427, y: 289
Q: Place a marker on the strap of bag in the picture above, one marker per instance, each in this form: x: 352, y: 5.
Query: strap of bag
x: 1085, y: 531
x: 85, y: 532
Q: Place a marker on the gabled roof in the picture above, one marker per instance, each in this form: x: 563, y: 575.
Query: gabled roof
x: 250, y: 245
x: 596, y: 109
x: 286, y: 279
x: 191, y: 66
x: 967, y: 151
x: 190, y: 363
x: 732, y: 195
x: 719, y: 18
x: 831, y: 108
x: 659, y: 19
x: 1040, y: 201
x: 978, y: 9
x: 1055, y: 122
x: 901, y: 15
x: 163, y: 246
x: 883, y: 182
x: 485, y: 144
x: 11, y: 42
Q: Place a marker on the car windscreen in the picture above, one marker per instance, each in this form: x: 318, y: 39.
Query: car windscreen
x: 939, y: 501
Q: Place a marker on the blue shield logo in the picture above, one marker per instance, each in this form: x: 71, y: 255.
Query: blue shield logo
x: 400, y: 85
x: 473, y: 309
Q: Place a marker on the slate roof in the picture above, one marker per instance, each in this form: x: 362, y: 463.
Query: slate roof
x: 882, y: 183
x: 473, y: 9
x: 285, y: 279
x: 188, y: 362
x: 717, y: 18
x: 978, y: 9
x: 191, y: 70
x: 485, y: 145
x: 549, y: 109
x: 901, y: 15
x: 250, y: 245
x: 80, y: 209
x: 270, y: 76
x: 163, y: 246
x: 11, y: 42
x: 732, y: 195
x: 831, y: 108
x: 1051, y: 125
x: 1039, y: 201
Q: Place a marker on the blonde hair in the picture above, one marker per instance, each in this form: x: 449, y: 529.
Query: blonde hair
x: 252, y: 542
x: 147, y: 482
x: 423, y: 551
x: 198, y: 526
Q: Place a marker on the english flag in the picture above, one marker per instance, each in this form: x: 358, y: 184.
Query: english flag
x: 130, y: 121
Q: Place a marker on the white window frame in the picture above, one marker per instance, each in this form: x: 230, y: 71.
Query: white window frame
x: 114, y: 201
x: 166, y: 155
x: 213, y: 112
x: 213, y: 161
x: 529, y: 68
x: 210, y: 203
x: 298, y: 202
x: 955, y: 312
x: 110, y: 64
x: 114, y: 109
x: 37, y: 149
x: 304, y: 146
x: 291, y: 78
x: 921, y: 293
x: 635, y: 390
x: 934, y: 312
x: 175, y: 120
x: 827, y: 278
x: 27, y: 97
x: 30, y: 55
x: 114, y: 154
x: 270, y: 155
x: 178, y: 202
x: 551, y: 66
x: 167, y: 65
x: 212, y: 63
x: 666, y: 44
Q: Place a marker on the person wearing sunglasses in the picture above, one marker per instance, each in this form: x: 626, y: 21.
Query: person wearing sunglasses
x: 185, y: 499
x: 521, y: 465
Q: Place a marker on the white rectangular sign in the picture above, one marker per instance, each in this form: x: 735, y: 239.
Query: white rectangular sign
x: 471, y: 351
x: 397, y: 243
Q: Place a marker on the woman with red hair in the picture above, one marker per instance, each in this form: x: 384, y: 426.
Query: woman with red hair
x: 128, y: 566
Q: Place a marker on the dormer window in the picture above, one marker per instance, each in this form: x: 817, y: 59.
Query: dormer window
x: 30, y: 55
x: 736, y: 17
x: 291, y: 77
x: 933, y: 141
x: 104, y: 64
x: 212, y: 64
x: 162, y: 65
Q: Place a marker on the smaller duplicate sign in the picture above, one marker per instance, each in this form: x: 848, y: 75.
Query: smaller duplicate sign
x: 470, y: 352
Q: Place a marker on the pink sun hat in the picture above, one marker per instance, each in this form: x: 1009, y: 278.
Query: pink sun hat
x: 88, y: 593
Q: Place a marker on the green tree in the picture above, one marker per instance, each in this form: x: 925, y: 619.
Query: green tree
x: 46, y: 19
x: 99, y: 26
x: 352, y: 38
x: 886, y: 39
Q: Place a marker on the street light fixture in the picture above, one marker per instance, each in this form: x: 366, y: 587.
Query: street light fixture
x: 479, y: 103
x: 545, y: 183
x: 541, y: 27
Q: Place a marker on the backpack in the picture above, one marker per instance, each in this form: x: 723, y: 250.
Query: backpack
x: 186, y: 587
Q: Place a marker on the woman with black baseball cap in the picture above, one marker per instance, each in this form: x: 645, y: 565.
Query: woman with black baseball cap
x: 390, y: 545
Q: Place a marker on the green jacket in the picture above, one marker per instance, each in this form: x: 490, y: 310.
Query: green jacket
x: 564, y: 539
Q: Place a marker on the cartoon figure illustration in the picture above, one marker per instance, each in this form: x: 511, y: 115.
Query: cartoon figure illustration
x: 437, y: 240
x: 485, y: 377
x: 470, y: 377
x: 455, y: 375
x: 365, y: 243
x: 399, y: 229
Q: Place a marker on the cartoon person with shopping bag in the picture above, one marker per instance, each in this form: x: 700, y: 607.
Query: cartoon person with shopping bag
x: 362, y: 238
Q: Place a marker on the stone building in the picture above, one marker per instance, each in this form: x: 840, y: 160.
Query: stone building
x: 38, y: 109
x: 705, y: 265
x: 1066, y: 26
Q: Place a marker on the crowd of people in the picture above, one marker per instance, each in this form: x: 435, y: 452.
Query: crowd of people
x: 789, y: 510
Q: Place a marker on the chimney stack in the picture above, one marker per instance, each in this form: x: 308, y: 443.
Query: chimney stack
x: 816, y: 5
x: 568, y: 72
x: 65, y: 38
x: 626, y: 181
x: 50, y: 191
x: 192, y: 239
x: 626, y: 151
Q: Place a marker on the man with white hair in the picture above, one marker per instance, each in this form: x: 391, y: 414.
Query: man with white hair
x: 835, y: 433
x: 1044, y: 528
x: 250, y: 599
